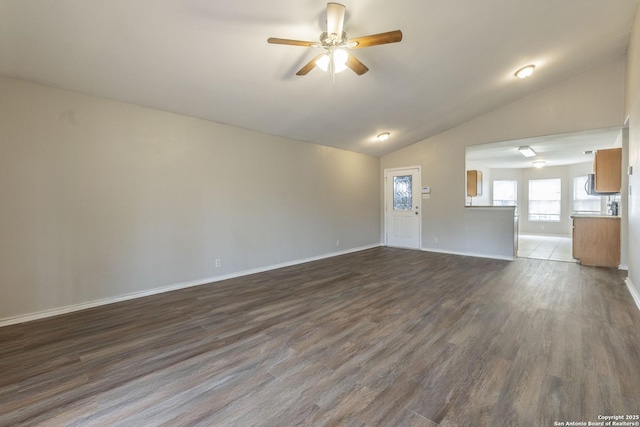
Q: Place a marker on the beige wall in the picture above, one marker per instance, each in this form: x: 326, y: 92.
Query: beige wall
x: 632, y: 110
x: 591, y: 100
x: 102, y: 199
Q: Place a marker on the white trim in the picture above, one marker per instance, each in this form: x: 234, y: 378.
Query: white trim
x: 634, y: 292
x: 83, y: 306
x: 407, y: 167
x: 475, y: 255
x: 490, y: 208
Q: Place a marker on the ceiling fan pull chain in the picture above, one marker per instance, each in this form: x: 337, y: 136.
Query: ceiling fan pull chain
x: 332, y: 67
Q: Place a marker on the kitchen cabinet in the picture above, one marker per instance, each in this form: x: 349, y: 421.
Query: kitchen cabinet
x: 474, y: 183
x: 607, y: 166
x: 596, y: 240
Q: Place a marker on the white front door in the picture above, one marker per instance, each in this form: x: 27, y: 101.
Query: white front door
x: 402, y: 207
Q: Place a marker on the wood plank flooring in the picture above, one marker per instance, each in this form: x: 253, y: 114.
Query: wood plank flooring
x: 383, y: 337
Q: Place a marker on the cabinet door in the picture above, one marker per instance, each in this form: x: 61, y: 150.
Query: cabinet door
x: 596, y: 241
x: 577, y: 242
x: 608, y: 169
x: 474, y: 183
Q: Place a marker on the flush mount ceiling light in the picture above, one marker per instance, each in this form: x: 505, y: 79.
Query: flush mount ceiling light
x: 525, y: 71
x: 383, y: 136
x: 538, y: 164
x: 527, y: 151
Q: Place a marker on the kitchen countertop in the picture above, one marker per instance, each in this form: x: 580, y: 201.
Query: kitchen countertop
x: 603, y: 216
x: 504, y: 208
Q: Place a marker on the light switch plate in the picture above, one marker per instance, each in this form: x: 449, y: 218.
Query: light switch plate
x: 630, y: 170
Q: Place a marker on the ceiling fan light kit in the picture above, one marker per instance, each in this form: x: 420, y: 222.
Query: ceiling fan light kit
x: 334, y: 41
x: 338, y: 58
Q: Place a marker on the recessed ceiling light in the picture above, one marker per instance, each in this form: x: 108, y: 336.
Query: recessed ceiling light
x: 525, y: 71
x: 527, y: 151
x: 538, y: 164
x: 383, y: 136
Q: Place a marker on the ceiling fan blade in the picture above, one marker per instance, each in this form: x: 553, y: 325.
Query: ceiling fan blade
x: 354, y: 63
x: 335, y: 19
x: 309, y: 66
x: 275, y: 40
x: 376, y: 39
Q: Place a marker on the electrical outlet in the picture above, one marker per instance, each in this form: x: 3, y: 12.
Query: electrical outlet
x: 435, y: 239
x: 218, y: 263
x: 337, y: 242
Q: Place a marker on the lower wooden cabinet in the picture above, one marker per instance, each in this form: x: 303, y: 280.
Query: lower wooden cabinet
x: 596, y: 241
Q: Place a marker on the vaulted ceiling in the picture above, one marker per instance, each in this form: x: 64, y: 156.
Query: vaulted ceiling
x: 210, y: 59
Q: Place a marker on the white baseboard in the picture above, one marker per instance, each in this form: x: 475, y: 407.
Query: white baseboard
x: 476, y: 255
x: 83, y: 306
x: 624, y: 267
x: 634, y: 292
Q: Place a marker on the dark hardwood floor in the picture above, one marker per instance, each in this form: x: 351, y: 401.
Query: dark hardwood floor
x: 383, y: 337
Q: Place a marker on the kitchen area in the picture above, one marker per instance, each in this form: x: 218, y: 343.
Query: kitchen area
x: 596, y: 236
x: 569, y: 192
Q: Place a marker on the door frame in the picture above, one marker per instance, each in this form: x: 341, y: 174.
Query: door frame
x: 386, y: 201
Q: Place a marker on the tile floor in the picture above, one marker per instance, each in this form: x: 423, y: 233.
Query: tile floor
x: 553, y: 248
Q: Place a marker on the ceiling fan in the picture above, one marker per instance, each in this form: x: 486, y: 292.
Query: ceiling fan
x: 334, y: 41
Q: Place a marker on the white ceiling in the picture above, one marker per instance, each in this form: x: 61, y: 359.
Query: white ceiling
x: 210, y: 59
x: 554, y: 150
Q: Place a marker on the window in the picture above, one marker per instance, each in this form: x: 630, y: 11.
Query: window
x: 402, y: 198
x: 544, y: 199
x: 505, y: 193
x: 583, y: 202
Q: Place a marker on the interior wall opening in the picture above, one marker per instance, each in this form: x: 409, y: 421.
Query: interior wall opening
x: 546, y: 179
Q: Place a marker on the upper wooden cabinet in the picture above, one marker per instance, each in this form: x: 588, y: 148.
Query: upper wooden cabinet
x: 607, y: 166
x: 474, y: 183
